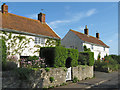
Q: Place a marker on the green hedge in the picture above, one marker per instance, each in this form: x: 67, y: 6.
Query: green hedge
x: 86, y: 58
x: 3, y: 52
x: 56, y: 56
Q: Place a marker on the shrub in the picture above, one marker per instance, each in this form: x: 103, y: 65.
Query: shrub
x: 56, y: 56
x: 51, y: 79
x: 116, y: 58
x: 105, y: 63
x: 75, y: 79
x: 9, y: 66
x: 36, y: 62
x: 23, y: 73
x: 3, y: 52
x: 47, y: 69
x: 86, y: 58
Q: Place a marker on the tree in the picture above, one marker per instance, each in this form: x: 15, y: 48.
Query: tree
x: 86, y: 49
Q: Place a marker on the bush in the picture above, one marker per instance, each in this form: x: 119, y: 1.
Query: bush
x: 23, y: 73
x: 86, y: 58
x: 75, y: 79
x: 116, y: 58
x: 56, y: 56
x: 47, y: 69
x: 9, y: 66
x: 51, y: 79
x: 105, y: 63
x: 3, y: 52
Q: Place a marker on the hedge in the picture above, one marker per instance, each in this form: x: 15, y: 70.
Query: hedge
x: 3, y: 52
x: 86, y: 58
x: 56, y: 56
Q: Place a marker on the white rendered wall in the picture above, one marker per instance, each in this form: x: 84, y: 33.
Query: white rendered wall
x: 97, y: 50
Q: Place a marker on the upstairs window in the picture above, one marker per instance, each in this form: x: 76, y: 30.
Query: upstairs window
x: 104, y: 48
x: 42, y: 41
x: 39, y: 40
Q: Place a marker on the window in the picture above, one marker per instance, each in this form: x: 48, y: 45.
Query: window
x: 42, y: 41
x: 104, y: 48
x: 91, y: 46
x: 37, y: 40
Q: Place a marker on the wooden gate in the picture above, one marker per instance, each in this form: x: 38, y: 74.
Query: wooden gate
x: 68, y: 75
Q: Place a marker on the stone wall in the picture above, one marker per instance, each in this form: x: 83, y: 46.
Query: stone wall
x: 41, y: 78
x: 82, y: 72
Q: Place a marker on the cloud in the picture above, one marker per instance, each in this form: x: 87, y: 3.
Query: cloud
x: 75, y: 17
x: 91, y: 12
x: 33, y: 16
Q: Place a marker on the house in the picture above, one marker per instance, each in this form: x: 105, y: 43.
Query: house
x: 77, y: 40
x: 38, y: 30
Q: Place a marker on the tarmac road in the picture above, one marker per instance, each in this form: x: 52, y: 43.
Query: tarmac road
x: 102, y: 80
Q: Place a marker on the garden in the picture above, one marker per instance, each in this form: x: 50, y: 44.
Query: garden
x: 108, y: 63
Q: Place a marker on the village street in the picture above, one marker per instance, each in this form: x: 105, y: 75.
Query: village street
x: 102, y: 80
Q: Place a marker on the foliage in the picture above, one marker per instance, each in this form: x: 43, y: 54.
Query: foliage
x: 98, y: 58
x: 75, y: 79
x: 33, y: 62
x: 56, y: 56
x: 47, y: 69
x: 16, y: 43
x: 51, y: 79
x: 86, y: 58
x: 3, y: 51
x: 106, y: 62
x: 9, y: 66
x: 116, y: 58
x: 23, y: 73
x: 86, y: 49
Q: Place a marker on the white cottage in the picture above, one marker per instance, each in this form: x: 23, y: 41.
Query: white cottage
x: 77, y: 40
x: 38, y: 30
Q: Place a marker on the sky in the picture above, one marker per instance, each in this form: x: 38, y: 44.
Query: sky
x: 101, y: 17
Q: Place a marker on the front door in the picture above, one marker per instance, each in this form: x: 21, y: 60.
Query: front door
x: 68, y: 75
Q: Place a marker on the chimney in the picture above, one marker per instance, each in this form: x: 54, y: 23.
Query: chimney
x: 97, y: 35
x: 41, y: 17
x: 86, y: 30
x: 4, y: 8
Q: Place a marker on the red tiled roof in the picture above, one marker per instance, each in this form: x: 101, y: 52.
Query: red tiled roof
x: 20, y: 23
x: 88, y: 38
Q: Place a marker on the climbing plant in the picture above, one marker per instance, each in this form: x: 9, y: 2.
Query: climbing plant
x: 51, y: 42
x: 15, y: 43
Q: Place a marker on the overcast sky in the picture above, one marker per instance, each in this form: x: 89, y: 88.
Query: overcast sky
x: 99, y: 17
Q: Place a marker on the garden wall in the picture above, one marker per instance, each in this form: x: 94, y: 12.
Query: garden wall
x: 41, y: 78
x: 82, y: 72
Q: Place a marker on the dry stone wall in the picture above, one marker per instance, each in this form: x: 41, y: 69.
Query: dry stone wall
x: 41, y: 78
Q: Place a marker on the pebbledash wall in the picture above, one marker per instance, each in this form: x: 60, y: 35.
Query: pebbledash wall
x: 41, y: 78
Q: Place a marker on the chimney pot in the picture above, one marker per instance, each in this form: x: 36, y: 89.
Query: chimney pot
x: 4, y: 8
x: 41, y: 17
x: 97, y: 35
x: 86, y: 30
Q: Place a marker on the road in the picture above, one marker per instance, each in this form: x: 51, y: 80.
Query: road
x: 101, y: 81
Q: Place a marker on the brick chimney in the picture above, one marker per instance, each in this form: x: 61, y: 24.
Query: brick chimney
x: 97, y: 35
x: 41, y: 17
x: 86, y: 30
x: 4, y: 8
